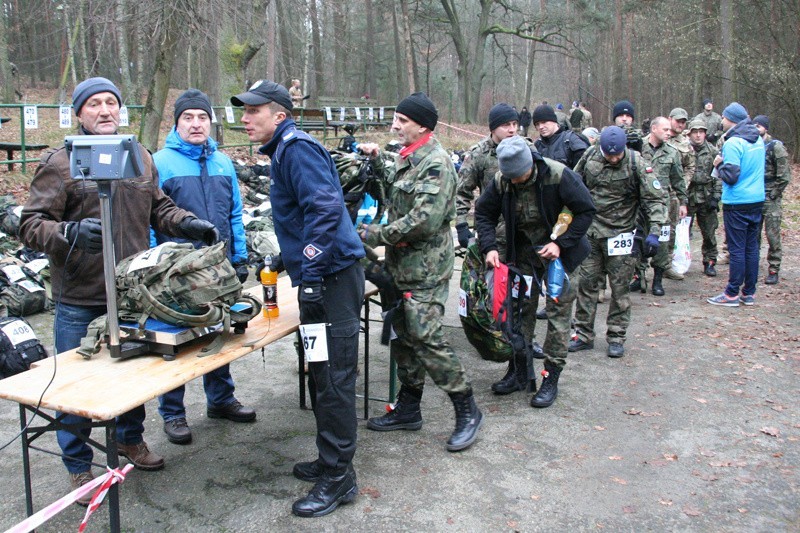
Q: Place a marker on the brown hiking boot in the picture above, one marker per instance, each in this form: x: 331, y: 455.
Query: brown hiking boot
x: 141, y: 456
x: 77, y: 481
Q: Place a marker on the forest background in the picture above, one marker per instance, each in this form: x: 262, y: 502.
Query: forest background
x: 466, y: 54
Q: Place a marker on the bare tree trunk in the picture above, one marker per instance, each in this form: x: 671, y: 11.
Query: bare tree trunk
x: 338, y: 10
x: 411, y: 71
x: 319, y: 77
x: 402, y: 89
x: 371, y: 84
x: 122, y: 49
x: 725, y: 71
x: 6, y: 80
x: 167, y: 40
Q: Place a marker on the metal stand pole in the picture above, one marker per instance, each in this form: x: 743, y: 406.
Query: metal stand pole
x: 109, y: 265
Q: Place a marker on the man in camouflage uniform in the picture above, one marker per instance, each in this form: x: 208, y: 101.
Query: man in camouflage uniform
x: 665, y: 162
x: 704, y: 194
x: 777, y: 174
x: 621, y: 184
x: 678, y: 140
x: 563, y: 118
x: 531, y: 191
x: 623, y: 115
x: 419, y: 256
x: 480, y: 166
x: 712, y: 120
x: 587, y: 117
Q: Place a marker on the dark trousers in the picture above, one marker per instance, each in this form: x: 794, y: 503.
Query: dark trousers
x: 332, y: 383
x: 70, y: 326
x: 742, y: 234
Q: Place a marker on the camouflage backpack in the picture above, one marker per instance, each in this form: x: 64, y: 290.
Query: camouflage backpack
x: 261, y: 239
x: 475, y: 309
x: 357, y: 178
x: 9, y: 215
x: 177, y: 284
x: 19, y: 346
x: 22, y: 290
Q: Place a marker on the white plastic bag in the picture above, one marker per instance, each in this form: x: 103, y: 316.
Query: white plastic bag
x: 682, y: 254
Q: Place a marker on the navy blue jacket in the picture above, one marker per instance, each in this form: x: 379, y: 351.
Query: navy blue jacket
x: 313, y: 227
x: 207, y: 188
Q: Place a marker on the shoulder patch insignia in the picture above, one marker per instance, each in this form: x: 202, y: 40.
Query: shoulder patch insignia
x: 311, y: 252
x: 657, y: 185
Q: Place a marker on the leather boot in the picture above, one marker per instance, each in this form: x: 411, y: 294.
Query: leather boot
x: 405, y: 415
x: 516, y: 377
x: 328, y: 493
x: 468, y: 421
x: 549, y: 390
x: 658, y: 289
x: 709, y: 270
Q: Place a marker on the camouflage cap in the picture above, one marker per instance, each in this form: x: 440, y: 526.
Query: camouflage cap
x: 679, y: 113
x: 697, y: 124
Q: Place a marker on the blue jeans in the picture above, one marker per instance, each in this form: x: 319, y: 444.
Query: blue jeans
x: 741, y: 232
x: 219, y: 388
x: 70, y: 326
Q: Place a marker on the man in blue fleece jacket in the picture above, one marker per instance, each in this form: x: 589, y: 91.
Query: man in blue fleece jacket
x: 740, y: 166
x: 201, y: 179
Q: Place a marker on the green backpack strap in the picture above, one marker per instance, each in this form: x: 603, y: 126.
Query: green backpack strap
x: 90, y: 344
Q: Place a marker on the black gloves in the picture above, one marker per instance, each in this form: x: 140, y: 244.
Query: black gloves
x: 199, y: 230
x: 712, y: 202
x: 241, y: 272
x: 86, y: 235
x: 651, y: 245
x: 633, y: 140
x: 312, y: 308
x: 464, y: 234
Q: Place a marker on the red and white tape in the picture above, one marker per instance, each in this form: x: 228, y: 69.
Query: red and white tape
x: 104, y: 482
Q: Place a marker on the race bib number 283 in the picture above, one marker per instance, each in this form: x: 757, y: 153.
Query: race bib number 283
x: 620, y: 244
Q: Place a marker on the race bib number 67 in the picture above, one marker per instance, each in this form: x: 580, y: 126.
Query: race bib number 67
x: 315, y: 342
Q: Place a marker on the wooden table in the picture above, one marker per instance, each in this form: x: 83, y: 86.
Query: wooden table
x: 103, y: 388
x: 10, y: 148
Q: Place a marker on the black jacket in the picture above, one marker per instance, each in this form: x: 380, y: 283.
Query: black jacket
x: 556, y: 187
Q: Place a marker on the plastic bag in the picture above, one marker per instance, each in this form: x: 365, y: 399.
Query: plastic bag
x: 682, y: 254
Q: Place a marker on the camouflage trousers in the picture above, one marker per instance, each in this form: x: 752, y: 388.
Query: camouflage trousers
x: 771, y: 221
x: 592, y: 271
x: 663, y: 259
x: 559, y: 316
x: 421, y: 346
x: 708, y: 222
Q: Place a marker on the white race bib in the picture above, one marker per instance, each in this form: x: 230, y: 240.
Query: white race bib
x: 18, y: 332
x: 315, y: 342
x: 664, y: 235
x: 462, y: 302
x: 620, y: 244
x: 14, y: 273
x: 30, y: 286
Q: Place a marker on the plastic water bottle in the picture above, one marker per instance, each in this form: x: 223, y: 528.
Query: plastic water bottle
x: 556, y: 277
x: 269, y: 284
x: 561, y: 225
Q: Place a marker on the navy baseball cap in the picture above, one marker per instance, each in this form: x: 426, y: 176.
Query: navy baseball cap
x: 264, y: 92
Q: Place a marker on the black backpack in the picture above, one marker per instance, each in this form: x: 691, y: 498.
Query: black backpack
x: 19, y: 347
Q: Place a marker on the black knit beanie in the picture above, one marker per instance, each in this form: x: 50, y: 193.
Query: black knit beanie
x: 419, y: 108
x: 192, y: 99
x: 500, y: 114
x: 623, y: 107
x: 544, y: 113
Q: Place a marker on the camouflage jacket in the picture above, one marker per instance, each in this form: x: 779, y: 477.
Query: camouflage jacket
x: 620, y: 191
x: 713, y: 123
x: 777, y: 172
x: 586, y: 122
x: 666, y: 163
x: 681, y: 143
x: 421, y: 205
x: 479, y: 168
x: 702, y: 184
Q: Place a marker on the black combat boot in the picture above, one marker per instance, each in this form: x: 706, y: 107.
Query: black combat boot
x: 549, y: 390
x: 639, y: 282
x: 708, y: 269
x: 468, y: 421
x: 405, y: 415
x: 516, y: 377
x: 658, y: 289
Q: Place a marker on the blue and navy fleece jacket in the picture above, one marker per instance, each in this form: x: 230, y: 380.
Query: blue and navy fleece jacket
x: 202, y: 180
x: 313, y: 227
